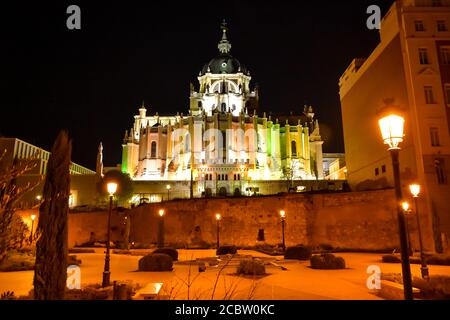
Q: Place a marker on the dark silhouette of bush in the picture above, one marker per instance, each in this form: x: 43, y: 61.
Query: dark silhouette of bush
x: 222, y: 250
x: 253, y: 267
x: 173, y: 253
x: 439, y: 259
x: 390, y: 258
x: 156, y: 262
x: 298, y: 253
x: 327, y: 261
x: 124, y: 185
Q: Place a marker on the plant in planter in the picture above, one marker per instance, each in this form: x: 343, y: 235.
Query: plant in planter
x: 254, y: 267
x: 173, y: 253
x: 223, y: 250
x: 327, y: 261
x: 156, y: 262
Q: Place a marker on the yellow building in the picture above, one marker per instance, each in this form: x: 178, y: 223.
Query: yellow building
x: 410, y: 68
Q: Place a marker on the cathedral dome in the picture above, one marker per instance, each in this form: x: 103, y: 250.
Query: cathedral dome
x: 224, y: 62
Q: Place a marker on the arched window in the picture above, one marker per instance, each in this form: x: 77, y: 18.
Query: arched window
x: 223, y: 107
x: 199, y: 104
x: 294, y: 148
x: 153, y: 150
x: 440, y: 171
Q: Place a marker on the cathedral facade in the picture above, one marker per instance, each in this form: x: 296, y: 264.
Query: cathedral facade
x: 223, y: 142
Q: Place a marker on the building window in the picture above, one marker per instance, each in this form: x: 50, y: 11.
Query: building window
x: 294, y: 148
x: 377, y: 171
x: 419, y: 26
x: 423, y: 56
x: 439, y: 165
x: 445, y: 55
x: 429, y: 98
x: 239, y: 177
x: 153, y: 150
x: 447, y: 93
x: 383, y: 168
x: 226, y: 177
x: 434, y: 135
x: 441, y: 26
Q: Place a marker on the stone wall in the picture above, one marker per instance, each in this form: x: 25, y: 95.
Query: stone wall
x: 357, y: 220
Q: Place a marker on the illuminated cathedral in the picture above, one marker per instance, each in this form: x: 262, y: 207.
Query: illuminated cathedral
x: 223, y: 142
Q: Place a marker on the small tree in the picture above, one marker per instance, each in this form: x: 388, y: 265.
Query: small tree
x: 10, y: 193
x: 51, y: 249
x: 288, y: 175
x: 124, y: 185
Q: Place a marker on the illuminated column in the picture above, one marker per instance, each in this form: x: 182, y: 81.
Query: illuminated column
x: 306, y: 153
x: 269, y: 137
x: 288, y: 143
x: 318, y: 157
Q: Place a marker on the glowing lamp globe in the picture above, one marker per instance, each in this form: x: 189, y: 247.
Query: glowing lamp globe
x: 391, y: 128
x: 282, y: 214
x: 161, y: 212
x: 405, y: 206
x: 415, y: 190
x: 218, y: 217
x: 168, y: 187
x: 33, y: 216
x: 112, y: 188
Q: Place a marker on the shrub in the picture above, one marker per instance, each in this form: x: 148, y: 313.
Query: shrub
x: 137, y: 245
x: 437, y: 286
x: 298, y: 253
x: 325, y: 247
x: 222, y: 250
x: 81, y: 250
x: 268, y: 249
x: 254, y: 267
x: 173, y: 253
x: 121, y: 251
x: 439, y: 259
x: 390, y: 258
x: 17, y: 262
x: 327, y: 261
x: 8, y: 295
x: 156, y: 262
x: 72, y: 260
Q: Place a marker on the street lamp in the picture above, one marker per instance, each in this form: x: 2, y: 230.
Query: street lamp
x: 218, y: 218
x: 161, y: 229
x: 407, y: 211
x: 283, y: 216
x: 112, y: 188
x: 391, y: 127
x: 33, y: 217
x: 415, y: 191
x: 168, y: 192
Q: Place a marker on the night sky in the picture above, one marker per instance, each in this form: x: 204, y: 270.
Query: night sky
x: 92, y: 81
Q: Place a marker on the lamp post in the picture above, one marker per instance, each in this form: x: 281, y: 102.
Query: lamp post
x: 33, y: 217
x: 283, y: 216
x: 112, y: 188
x: 218, y: 218
x: 168, y: 192
x: 391, y: 127
x: 415, y: 191
x: 407, y: 211
x: 161, y: 229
